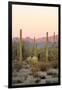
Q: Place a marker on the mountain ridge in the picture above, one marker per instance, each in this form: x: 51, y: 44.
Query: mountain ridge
x: 38, y: 40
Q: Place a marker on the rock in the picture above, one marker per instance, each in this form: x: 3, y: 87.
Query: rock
x: 37, y: 79
x: 29, y: 80
x: 42, y: 81
x: 52, y: 80
x: 42, y: 75
x: 24, y: 72
x: 16, y: 80
x: 48, y: 76
x: 53, y: 72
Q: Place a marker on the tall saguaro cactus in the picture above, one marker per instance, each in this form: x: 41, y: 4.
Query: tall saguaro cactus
x: 34, y: 47
x: 46, y: 46
x: 20, y: 45
x: 54, y: 40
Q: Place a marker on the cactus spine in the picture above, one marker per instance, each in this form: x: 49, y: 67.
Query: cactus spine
x: 46, y: 46
x: 20, y: 46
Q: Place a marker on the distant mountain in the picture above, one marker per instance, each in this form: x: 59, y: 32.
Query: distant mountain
x: 28, y: 39
x: 15, y: 39
x: 50, y: 39
x: 40, y: 41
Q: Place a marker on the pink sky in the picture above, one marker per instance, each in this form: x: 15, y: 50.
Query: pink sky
x: 34, y: 21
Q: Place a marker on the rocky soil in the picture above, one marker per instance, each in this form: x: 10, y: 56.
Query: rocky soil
x: 24, y: 76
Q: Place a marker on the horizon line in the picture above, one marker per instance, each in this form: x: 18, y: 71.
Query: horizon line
x: 34, y: 36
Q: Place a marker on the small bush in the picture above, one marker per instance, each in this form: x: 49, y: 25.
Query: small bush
x: 16, y: 65
x: 43, y: 66
x: 54, y: 64
x: 34, y: 70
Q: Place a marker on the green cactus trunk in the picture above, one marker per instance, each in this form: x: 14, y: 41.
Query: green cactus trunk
x: 34, y: 48
x: 47, y: 47
x: 54, y: 40
x: 20, y: 46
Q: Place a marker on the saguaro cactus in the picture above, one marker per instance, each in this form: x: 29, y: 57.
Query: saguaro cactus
x: 20, y: 45
x: 46, y: 46
x: 34, y: 47
x: 54, y: 39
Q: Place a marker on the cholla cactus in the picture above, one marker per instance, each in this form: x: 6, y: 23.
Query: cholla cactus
x: 34, y: 60
x: 20, y: 45
x: 46, y: 46
x: 34, y: 65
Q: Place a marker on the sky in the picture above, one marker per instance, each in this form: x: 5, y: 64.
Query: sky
x: 34, y: 21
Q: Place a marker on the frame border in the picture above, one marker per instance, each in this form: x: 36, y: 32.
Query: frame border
x: 10, y: 3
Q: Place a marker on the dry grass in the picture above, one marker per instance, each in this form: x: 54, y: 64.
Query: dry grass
x: 40, y: 66
x: 43, y: 66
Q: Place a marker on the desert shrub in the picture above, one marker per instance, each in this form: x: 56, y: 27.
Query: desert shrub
x: 41, y: 54
x: 53, y: 54
x: 35, y: 69
x: 16, y: 65
x: 44, y: 66
x: 14, y: 50
x: 40, y: 66
x: 54, y: 64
